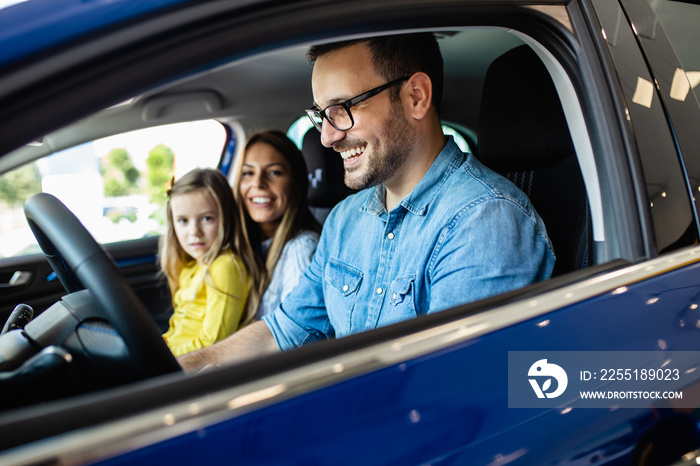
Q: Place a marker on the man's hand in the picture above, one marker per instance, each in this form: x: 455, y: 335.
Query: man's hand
x: 248, y: 343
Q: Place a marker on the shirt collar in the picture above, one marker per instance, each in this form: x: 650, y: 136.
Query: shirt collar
x: 418, y: 200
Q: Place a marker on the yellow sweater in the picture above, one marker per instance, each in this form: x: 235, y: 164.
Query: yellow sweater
x: 207, y: 309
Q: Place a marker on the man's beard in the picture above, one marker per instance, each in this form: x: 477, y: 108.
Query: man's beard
x: 398, y: 140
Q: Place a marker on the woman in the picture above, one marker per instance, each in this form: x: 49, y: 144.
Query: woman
x: 271, y: 187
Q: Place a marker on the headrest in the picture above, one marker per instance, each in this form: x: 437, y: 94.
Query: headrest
x: 522, y: 124
x: 326, y: 172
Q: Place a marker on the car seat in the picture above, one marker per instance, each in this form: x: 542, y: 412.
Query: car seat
x: 523, y: 135
x: 326, y: 173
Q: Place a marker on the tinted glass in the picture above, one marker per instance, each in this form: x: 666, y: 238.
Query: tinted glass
x: 681, y: 22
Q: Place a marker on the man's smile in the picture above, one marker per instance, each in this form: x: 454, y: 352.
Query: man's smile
x: 354, y: 152
x: 350, y: 156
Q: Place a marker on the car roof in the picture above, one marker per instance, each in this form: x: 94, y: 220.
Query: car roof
x: 28, y: 27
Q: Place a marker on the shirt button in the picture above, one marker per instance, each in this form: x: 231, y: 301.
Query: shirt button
x: 390, y: 236
x: 380, y: 290
x: 346, y: 288
x: 394, y: 297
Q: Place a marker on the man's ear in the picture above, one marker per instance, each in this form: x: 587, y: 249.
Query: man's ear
x: 420, y: 93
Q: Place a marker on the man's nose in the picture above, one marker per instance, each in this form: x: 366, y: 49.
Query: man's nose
x: 330, y: 135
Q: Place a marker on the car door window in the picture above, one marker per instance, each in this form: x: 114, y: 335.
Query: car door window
x: 116, y: 185
x: 680, y: 22
x: 669, y: 205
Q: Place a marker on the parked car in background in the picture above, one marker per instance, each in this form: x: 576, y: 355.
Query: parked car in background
x: 589, y: 106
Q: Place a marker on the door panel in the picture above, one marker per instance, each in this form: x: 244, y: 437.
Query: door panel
x: 136, y: 259
x: 39, y: 291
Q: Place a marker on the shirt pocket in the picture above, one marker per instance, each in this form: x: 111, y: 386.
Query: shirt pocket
x: 402, y: 303
x: 342, y: 283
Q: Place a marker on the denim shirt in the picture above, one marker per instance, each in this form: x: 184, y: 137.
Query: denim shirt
x: 295, y: 258
x: 462, y: 234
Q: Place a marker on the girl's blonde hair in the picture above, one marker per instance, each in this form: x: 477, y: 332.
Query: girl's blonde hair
x: 295, y: 219
x: 229, y: 236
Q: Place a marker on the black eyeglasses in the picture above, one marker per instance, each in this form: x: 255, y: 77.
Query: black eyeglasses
x: 339, y: 115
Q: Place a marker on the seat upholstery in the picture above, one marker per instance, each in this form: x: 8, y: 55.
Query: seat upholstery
x: 326, y: 173
x: 523, y: 135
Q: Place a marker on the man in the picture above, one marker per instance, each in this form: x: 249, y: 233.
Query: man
x: 431, y: 229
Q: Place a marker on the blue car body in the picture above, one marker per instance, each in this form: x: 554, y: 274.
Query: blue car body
x: 61, y: 22
x: 434, y: 390
x: 451, y: 406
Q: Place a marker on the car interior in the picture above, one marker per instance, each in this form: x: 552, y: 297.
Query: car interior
x: 530, y: 129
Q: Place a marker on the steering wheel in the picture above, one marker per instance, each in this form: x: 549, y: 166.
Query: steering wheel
x: 79, y: 261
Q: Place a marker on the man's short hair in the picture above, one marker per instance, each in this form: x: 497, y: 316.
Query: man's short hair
x: 396, y: 56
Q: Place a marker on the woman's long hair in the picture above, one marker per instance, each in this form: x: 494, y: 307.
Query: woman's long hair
x: 230, y: 236
x: 295, y: 219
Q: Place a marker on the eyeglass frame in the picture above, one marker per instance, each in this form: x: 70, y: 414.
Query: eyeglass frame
x: 348, y: 104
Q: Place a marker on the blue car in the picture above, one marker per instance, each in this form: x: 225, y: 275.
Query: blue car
x: 589, y: 106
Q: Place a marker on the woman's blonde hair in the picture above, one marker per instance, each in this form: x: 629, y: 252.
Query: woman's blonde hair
x: 295, y: 219
x: 230, y: 235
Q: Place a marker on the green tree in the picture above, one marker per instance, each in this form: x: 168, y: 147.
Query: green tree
x: 121, y: 177
x: 18, y: 185
x: 160, y: 163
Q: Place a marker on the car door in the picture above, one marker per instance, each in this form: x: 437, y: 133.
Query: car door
x: 437, y: 390
x: 117, y: 186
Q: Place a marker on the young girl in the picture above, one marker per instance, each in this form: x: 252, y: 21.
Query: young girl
x: 210, y: 267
